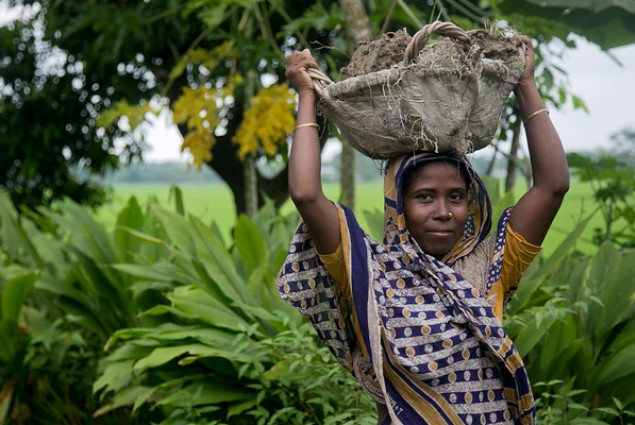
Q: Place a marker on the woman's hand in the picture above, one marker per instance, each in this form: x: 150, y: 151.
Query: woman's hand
x: 297, y: 64
x: 524, y: 42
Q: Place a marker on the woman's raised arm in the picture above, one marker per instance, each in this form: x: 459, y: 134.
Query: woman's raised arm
x: 305, y: 187
x: 534, y: 212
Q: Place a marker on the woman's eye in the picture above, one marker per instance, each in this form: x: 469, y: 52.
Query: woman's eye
x: 424, y: 197
x: 457, y: 197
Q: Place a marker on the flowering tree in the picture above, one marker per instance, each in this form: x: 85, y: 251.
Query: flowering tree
x: 91, y: 72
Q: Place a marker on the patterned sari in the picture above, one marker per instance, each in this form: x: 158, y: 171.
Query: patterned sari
x: 420, y: 338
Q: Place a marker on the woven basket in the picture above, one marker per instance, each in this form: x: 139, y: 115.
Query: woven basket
x: 446, y: 96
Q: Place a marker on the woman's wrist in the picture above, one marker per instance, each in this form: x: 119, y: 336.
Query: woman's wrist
x: 525, y: 86
x: 310, y: 92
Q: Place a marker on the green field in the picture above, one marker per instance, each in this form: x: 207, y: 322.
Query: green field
x: 214, y: 202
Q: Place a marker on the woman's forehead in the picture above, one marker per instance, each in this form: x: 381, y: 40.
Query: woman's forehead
x: 434, y: 173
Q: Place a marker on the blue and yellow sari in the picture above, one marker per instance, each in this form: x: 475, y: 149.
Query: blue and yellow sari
x: 420, y: 337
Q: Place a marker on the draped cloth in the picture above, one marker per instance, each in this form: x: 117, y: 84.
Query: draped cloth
x: 420, y: 338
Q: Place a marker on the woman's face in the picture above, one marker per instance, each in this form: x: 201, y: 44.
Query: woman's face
x: 435, y: 202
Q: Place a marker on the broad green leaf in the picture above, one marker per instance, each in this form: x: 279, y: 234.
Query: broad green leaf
x: 114, y: 377
x: 179, y: 231
x: 19, y: 285
x: 563, y: 249
x: 176, y: 193
x: 130, y: 221
x: 605, y: 23
x: 560, y: 345
x: 617, y: 366
x: 207, y: 393
x: 143, y: 397
x: 531, y: 334
x: 219, y: 264
x: 277, y: 371
x: 602, y: 266
x: 250, y: 244
x: 8, y: 332
x: 146, y: 272
x: 168, y: 333
x: 199, y: 304
x: 587, y: 421
x: 86, y: 234
x: 123, y: 398
x: 163, y: 355
x: 238, y: 408
x: 617, y: 292
x: 127, y: 351
x: 12, y: 236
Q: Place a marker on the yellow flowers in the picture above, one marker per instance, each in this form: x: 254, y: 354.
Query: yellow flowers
x: 265, y: 124
x: 268, y: 121
x: 198, y: 110
x: 134, y: 113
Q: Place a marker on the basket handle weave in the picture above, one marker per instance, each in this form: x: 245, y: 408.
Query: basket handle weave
x: 320, y: 80
x: 418, y: 42
x: 420, y: 39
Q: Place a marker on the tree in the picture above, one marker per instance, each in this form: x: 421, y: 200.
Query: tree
x: 91, y: 71
x: 62, y: 65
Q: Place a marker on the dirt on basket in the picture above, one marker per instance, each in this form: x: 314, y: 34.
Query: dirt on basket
x: 381, y: 53
x: 494, y: 46
x: 388, y: 51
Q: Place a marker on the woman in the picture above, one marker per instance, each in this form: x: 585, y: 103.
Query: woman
x: 417, y: 318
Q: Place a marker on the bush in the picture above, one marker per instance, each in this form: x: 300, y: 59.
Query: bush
x: 194, y: 330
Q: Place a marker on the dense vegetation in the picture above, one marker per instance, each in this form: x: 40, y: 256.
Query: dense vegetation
x: 163, y: 320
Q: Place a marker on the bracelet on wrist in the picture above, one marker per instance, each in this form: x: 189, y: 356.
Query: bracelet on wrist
x: 534, y: 114
x: 308, y: 124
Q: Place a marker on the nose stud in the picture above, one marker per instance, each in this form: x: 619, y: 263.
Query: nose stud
x: 450, y: 215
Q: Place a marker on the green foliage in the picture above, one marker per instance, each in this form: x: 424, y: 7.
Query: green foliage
x: 66, y: 63
x: 223, y: 346
x: 606, y: 23
x: 573, y: 321
x: 194, y: 330
x: 613, y: 184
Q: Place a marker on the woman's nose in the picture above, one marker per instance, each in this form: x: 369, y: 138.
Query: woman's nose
x: 443, y: 212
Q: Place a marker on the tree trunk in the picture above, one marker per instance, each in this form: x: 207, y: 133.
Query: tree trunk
x: 227, y: 165
x: 512, y: 159
x: 357, y: 20
x: 251, y: 185
x: 360, y: 30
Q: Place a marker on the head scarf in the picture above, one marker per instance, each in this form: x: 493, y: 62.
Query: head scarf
x: 478, y: 223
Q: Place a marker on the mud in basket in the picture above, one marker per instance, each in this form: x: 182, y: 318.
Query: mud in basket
x: 445, y: 95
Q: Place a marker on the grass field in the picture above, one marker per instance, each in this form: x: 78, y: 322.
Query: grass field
x: 214, y: 202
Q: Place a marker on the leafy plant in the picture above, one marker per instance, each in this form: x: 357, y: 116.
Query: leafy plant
x: 573, y: 322
x: 60, y: 302
x: 196, y: 331
x: 223, y: 347
x: 613, y: 184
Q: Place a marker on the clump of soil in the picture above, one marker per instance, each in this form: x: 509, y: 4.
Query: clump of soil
x: 388, y: 51
x: 381, y: 53
x: 494, y: 46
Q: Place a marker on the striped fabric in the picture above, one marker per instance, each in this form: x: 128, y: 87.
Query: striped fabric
x: 436, y: 352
